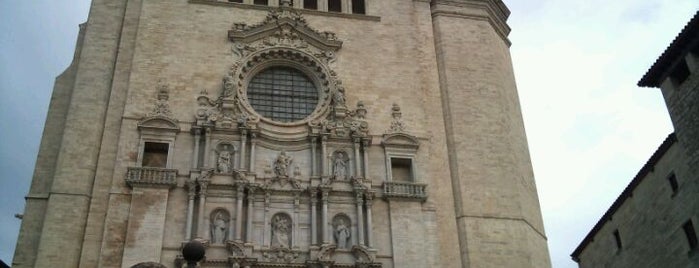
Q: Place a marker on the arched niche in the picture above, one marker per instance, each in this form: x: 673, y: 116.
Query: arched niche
x: 342, y: 231
x: 281, y: 231
x: 220, y: 226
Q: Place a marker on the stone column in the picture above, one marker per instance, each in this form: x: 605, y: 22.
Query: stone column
x: 365, y: 148
x: 346, y: 6
x: 239, y: 213
x: 324, y: 217
x: 267, y: 230
x: 195, y: 154
x: 248, y: 229
x: 314, y: 220
x: 369, y: 236
x: 324, y: 155
x: 295, y: 225
x: 253, y: 144
x: 243, y: 140
x: 313, y: 156
x: 360, y: 218
x: 357, y: 171
x: 191, y: 188
x: 207, y: 147
x: 201, y: 226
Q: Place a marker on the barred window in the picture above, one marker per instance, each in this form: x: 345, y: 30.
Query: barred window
x: 282, y: 94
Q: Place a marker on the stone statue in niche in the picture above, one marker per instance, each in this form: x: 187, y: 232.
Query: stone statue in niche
x: 342, y: 233
x: 281, y: 231
x: 223, y: 163
x: 282, y: 164
x: 340, y: 166
x: 219, y: 227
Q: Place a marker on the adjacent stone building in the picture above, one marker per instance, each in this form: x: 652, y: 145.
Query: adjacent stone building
x: 655, y: 220
x: 305, y: 133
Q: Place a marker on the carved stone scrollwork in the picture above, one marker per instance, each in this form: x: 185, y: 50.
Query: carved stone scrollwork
x: 160, y: 118
x: 280, y: 255
x: 363, y: 255
x: 343, y: 123
x: 397, y: 124
x: 235, y: 249
x: 326, y: 253
x: 283, y: 37
x: 162, y: 107
x: 284, y: 26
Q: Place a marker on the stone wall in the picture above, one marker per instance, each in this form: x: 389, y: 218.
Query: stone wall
x: 649, y: 221
x: 463, y: 132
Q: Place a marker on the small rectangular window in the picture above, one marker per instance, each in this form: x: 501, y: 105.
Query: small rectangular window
x: 690, y: 234
x: 335, y: 5
x: 358, y: 7
x: 261, y: 2
x: 310, y: 4
x: 155, y: 154
x: 617, y: 239
x: 235, y: 1
x: 672, y: 179
x: 401, y: 169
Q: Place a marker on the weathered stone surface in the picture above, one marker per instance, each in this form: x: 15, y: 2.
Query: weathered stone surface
x: 438, y: 101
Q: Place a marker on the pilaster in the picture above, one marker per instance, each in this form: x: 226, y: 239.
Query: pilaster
x: 76, y: 164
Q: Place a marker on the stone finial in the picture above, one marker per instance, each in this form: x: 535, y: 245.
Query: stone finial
x: 397, y: 124
x: 162, y: 107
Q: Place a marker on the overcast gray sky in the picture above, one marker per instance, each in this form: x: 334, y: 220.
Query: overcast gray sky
x: 590, y: 129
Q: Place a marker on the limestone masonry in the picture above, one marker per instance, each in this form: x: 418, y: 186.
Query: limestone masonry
x: 314, y: 133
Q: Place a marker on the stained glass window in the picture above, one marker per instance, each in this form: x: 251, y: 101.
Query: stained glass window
x: 282, y: 94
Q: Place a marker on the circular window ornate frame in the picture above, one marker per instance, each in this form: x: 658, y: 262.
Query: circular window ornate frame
x: 319, y: 74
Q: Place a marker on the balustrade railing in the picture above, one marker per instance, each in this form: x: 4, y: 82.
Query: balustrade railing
x: 151, y: 176
x: 405, y: 190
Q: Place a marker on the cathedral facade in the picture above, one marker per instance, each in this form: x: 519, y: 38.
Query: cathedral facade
x: 279, y: 133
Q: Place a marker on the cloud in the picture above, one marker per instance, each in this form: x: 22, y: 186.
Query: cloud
x: 590, y: 129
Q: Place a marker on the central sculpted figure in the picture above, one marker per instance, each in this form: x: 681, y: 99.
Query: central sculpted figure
x: 280, y: 231
x: 282, y: 164
x: 224, y: 162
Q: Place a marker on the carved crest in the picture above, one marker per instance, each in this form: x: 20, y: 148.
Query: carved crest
x: 283, y: 27
x: 160, y: 117
x: 397, y: 124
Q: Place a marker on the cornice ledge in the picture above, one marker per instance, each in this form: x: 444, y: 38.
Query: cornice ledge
x: 493, y: 11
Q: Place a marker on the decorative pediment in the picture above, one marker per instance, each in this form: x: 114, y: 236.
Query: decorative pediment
x: 283, y: 27
x: 159, y: 122
x: 160, y: 117
x: 400, y: 140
